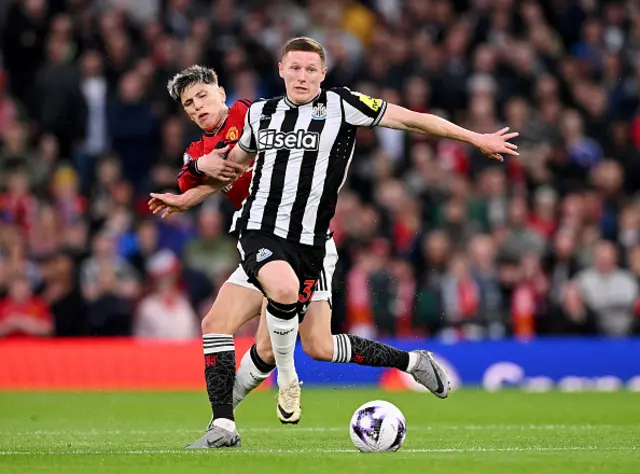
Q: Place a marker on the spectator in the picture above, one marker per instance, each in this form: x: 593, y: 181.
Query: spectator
x: 519, y: 238
x: 529, y: 300
x: 212, y: 251
x: 571, y: 315
x: 63, y: 296
x: 94, y: 87
x: 461, y: 296
x: 165, y: 313
x: 429, y: 309
x: 19, y: 205
x: 21, y: 312
x: 609, y: 291
x: 482, y: 254
x: 581, y: 150
x: 133, y: 128
x: 560, y: 263
x: 109, y: 285
x: 60, y: 105
x: 16, y: 152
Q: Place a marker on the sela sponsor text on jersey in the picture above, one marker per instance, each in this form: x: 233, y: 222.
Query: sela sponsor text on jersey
x: 274, y: 140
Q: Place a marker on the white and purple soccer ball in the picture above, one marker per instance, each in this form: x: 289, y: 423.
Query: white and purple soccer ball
x: 378, y: 426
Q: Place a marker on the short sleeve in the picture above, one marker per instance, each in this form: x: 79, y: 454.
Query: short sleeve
x: 359, y: 109
x: 248, y: 140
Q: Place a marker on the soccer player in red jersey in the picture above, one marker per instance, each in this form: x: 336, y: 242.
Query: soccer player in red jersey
x: 203, y: 101
x: 238, y: 301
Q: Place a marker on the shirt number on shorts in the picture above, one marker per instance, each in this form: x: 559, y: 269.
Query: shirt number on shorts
x: 307, y: 291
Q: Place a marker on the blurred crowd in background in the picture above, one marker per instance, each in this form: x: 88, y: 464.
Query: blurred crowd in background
x: 435, y: 240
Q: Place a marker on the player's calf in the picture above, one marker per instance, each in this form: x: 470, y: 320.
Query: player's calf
x: 281, y: 286
x: 318, y: 347
x: 253, y: 370
x: 233, y: 307
x: 349, y: 348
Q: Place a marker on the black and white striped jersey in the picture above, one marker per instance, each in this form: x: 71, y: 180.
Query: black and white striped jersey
x: 303, y: 157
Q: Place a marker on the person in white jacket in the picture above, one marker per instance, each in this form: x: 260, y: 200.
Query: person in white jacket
x: 166, y: 312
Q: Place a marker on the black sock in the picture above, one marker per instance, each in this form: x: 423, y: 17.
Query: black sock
x: 220, y: 373
x: 260, y: 364
x: 358, y: 350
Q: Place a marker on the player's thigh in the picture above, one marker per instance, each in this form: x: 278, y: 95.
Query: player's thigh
x: 266, y: 261
x: 315, y: 331
x: 279, y: 281
x: 233, y: 307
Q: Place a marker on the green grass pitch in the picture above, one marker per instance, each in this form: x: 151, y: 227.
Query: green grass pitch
x: 471, y: 432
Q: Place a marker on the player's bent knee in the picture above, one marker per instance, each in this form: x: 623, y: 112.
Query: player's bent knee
x: 285, y: 294
x: 279, y: 282
x: 215, y: 323
x: 318, y: 348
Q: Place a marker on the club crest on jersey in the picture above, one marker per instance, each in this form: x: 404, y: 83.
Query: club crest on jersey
x: 270, y: 139
x: 186, y: 158
x: 263, y: 254
x: 319, y: 112
x: 232, y: 134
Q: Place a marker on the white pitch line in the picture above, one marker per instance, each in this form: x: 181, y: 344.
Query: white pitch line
x: 319, y: 429
x: 241, y: 451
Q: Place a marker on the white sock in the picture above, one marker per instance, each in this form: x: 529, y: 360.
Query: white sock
x: 413, y: 360
x: 225, y: 424
x: 248, y: 378
x: 284, y: 333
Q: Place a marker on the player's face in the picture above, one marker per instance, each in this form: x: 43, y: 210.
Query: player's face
x: 204, y: 104
x: 302, y: 71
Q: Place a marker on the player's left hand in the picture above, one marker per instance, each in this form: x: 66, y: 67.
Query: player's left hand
x: 216, y: 166
x: 494, y: 145
x: 166, y: 204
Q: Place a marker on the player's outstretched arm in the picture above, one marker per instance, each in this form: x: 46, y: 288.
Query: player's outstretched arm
x: 166, y: 204
x: 493, y: 145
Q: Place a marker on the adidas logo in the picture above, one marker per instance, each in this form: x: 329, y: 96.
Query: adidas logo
x: 263, y: 254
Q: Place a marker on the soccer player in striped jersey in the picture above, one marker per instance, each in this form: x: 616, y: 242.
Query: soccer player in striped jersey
x: 197, y: 89
x: 303, y: 144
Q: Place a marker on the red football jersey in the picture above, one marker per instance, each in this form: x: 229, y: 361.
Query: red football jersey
x: 229, y: 134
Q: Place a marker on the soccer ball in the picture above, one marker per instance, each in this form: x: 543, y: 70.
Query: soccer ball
x: 378, y: 426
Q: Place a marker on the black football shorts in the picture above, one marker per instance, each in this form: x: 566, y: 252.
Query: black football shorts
x: 257, y: 248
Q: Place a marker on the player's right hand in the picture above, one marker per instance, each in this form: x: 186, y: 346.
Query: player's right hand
x: 494, y: 145
x: 166, y: 204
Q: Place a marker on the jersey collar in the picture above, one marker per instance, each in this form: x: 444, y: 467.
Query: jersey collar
x: 291, y: 104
